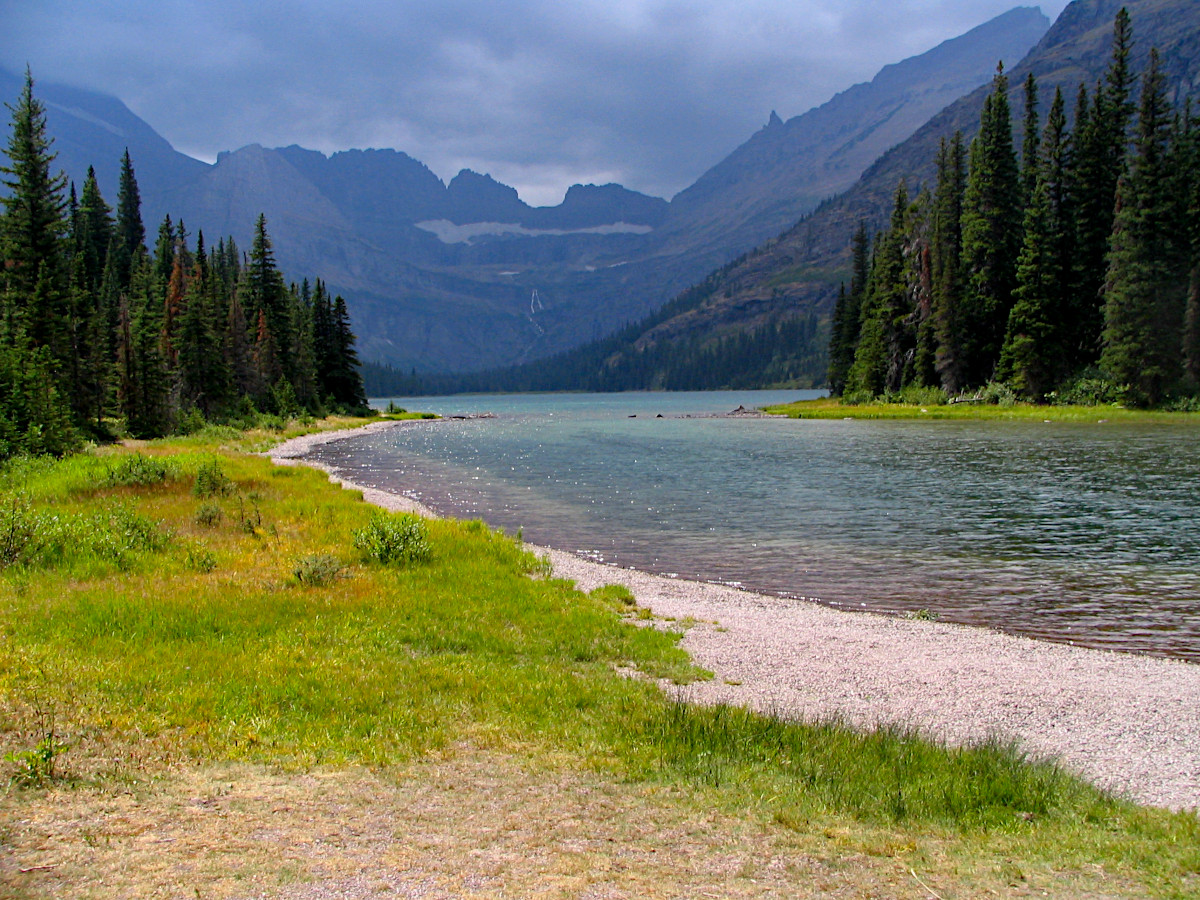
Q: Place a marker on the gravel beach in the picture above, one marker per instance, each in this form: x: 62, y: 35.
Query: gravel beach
x: 1129, y: 723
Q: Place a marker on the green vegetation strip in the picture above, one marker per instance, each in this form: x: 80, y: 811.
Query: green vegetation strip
x: 190, y: 602
x: 833, y: 408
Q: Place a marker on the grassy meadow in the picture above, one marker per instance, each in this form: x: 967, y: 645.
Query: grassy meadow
x: 183, y: 610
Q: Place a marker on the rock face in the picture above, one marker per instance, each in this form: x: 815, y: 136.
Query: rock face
x: 439, y: 276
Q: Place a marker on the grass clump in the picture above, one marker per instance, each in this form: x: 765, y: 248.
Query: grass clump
x: 137, y: 470
x: 398, y: 540
x: 317, y: 569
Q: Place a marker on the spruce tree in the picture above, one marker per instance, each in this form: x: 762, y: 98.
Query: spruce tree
x: 845, y: 326
x: 991, y: 235
x: 1099, y: 161
x: 1032, y: 359
x: 33, y: 230
x: 130, y: 232
x: 946, y: 263
x: 886, y: 336
x: 1145, y: 295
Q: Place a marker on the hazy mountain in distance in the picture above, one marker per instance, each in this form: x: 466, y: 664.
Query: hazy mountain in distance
x: 786, y: 169
x: 439, y: 276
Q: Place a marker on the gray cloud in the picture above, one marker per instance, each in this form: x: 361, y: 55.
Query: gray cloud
x: 539, y: 94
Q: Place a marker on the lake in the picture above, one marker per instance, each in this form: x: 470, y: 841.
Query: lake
x: 1080, y: 533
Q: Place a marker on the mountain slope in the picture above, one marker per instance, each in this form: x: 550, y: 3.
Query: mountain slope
x: 786, y: 169
x: 798, y: 273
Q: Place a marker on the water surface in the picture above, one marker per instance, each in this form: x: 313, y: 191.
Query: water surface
x: 1084, y: 533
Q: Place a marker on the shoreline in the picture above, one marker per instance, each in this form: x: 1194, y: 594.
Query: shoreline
x: 1125, y: 722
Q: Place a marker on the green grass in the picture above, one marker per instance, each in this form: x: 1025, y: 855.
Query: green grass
x: 832, y: 408
x: 238, y: 621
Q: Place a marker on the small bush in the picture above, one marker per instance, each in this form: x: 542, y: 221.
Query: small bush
x: 209, y: 515
x: 394, y: 540
x: 998, y: 393
x: 200, y: 560
x: 1091, y: 388
x: 136, y: 470
x: 190, y: 422
x: 317, y: 570
x: 211, y: 480
x: 23, y: 532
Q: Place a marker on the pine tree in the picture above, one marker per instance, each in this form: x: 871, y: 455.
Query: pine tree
x: 991, y: 235
x: 130, y: 232
x: 33, y: 230
x: 345, y: 386
x: 845, y: 326
x: 1099, y: 162
x: 946, y: 264
x: 1145, y: 295
x: 886, y: 335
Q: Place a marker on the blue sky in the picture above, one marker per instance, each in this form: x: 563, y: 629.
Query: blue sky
x: 540, y: 94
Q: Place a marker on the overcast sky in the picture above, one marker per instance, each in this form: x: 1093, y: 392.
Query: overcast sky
x: 541, y: 94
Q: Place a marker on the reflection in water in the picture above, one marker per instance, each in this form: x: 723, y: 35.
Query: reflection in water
x: 1080, y: 533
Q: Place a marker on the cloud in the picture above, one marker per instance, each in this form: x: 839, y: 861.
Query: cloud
x: 539, y: 94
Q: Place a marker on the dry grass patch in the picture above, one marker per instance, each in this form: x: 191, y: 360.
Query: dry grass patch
x: 469, y: 823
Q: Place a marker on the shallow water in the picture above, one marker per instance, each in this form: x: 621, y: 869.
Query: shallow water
x: 1083, y: 533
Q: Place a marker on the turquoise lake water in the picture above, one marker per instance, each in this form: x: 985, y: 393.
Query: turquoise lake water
x: 1082, y: 533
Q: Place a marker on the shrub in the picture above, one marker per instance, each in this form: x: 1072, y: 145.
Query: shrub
x: 211, y: 480
x: 209, y: 515
x: 998, y: 393
x: 1091, y: 388
x: 394, y: 540
x: 200, y: 560
x: 317, y: 570
x: 136, y: 470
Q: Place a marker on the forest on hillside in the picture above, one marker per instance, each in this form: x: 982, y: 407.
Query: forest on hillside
x: 1069, y: 274
x: 102, y: 336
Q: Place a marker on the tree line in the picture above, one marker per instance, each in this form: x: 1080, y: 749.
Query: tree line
x: 1071, y: 272
x: 100, y: 335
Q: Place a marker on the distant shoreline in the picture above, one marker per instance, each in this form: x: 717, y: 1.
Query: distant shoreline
x: 1125, y: 722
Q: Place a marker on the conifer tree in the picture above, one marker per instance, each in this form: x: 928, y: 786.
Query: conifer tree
x: 946, y: 263
x: 1031, y: 142
x: 1145, y: 295
x: 991, y: 235
x: 884, y: 338
x: 33, y: 230
x: 846, y: 319
x: 130, y: 232
x: 1099, y: 162
x: 1032, y: 360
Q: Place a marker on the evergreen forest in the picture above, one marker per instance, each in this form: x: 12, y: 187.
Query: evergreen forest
x: 1069, y: 272
x: 101, y: 336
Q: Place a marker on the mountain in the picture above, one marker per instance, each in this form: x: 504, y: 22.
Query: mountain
x: 797, y: 273
x: 786, y: 169
x: 440, y: 276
